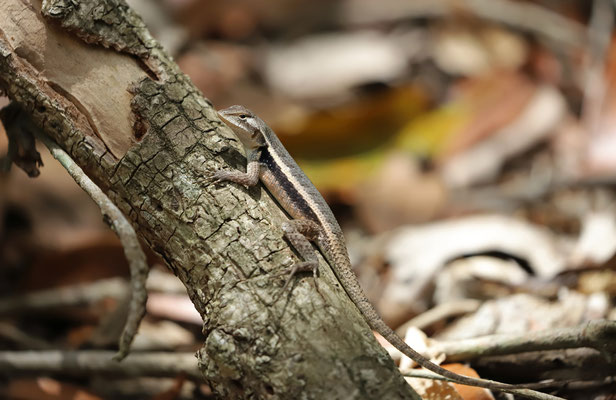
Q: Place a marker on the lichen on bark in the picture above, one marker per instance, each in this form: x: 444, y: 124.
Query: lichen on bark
x: 223, y: 242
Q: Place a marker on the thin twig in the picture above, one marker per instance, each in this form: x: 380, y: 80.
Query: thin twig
x: 132, y: 249
x: 90, y: 363
x: 11, y: 333
x: 68, y: 296
x: 440, y: 313
x: 599, y: 334
x: 564, y: 364
x: 527, y: 393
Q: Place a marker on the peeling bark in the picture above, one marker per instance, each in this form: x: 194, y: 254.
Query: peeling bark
x: 139, y: 128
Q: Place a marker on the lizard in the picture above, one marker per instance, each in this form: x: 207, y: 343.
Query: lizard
x: 313, y: 221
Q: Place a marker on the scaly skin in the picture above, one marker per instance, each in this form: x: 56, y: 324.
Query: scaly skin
x: 268, y: 159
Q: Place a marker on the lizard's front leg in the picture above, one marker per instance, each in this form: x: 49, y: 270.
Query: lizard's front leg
x: 248, y: 178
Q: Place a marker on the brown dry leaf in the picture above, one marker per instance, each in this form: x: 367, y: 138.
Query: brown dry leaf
x: 95, y: 258
x: 433, y: 389
x: 80, y: 335
x: 430, y: 389
x: 502, y: 136
x: 493, y: 101
x: 468, y: 392
x: 46, y: 389
x: 417, y: 254
x: 602, y: 139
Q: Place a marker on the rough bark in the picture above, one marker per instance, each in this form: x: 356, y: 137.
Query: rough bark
x: 139, y: 128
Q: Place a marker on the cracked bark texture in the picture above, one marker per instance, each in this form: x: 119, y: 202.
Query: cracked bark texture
x: 139, y: 128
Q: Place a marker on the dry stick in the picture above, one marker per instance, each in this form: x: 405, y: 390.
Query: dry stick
x: 96, y: 362
x: 599, y: 335
x: 526, y: 393
x: 132, y: 249
x: 439, y: 313
x: 423, y: 374
x: 565, y: 364
x: 10, y: 333
x: 66, y: 296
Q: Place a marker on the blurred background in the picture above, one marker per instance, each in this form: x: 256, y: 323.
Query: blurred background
x: 466, y: 147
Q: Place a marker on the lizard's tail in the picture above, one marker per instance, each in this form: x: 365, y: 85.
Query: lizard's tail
x: 339, y: 259
x: 376, y: 323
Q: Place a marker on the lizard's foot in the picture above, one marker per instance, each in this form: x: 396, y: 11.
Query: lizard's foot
x: 248, y: 178
x: 216, y: 177
x: 304, y: 266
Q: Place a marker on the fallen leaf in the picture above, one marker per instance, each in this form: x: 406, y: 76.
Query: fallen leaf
x: 535, y: 122
x: 468, y: 392
x: 417, y: 254
x: 430, y: 389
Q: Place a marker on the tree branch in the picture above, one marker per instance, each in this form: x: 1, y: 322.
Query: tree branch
x: 598, y: 334
x: 137, y: 261
x: 93, y: 362
x: 145, y: 135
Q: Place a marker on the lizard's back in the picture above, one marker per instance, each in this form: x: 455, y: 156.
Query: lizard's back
x: 293, y: 190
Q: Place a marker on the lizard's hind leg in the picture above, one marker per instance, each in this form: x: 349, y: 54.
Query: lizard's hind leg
x: 300, y: 232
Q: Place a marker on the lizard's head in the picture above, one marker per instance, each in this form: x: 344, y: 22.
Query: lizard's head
x: 247, y: 126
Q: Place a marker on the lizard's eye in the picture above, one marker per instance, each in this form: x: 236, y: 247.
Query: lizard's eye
x: 243, y: 116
